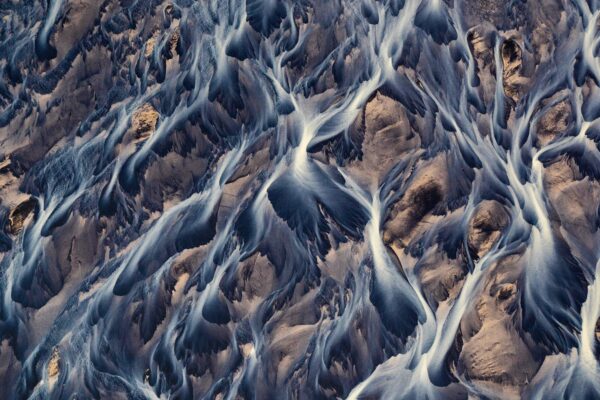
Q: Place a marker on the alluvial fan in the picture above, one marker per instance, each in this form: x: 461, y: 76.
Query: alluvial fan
x: 299, y: 199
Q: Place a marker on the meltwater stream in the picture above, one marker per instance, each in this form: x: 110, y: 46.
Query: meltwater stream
x: 299, y: 199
